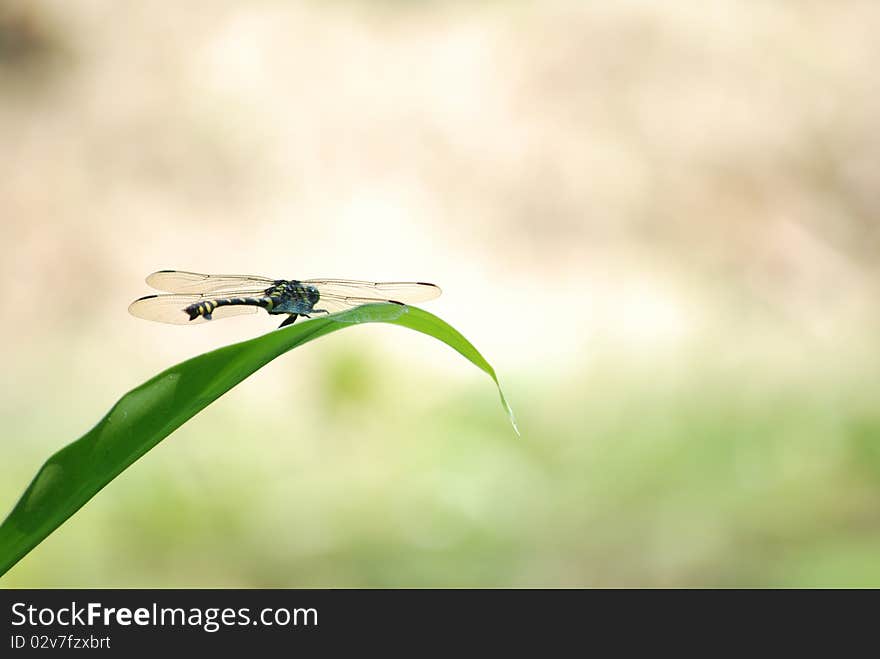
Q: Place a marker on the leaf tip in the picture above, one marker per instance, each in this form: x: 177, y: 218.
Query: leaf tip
x: 509, y: 409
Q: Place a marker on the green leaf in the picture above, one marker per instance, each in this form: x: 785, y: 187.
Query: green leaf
x: 149, y: 413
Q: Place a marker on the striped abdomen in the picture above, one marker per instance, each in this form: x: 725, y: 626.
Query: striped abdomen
x: 206, y: 307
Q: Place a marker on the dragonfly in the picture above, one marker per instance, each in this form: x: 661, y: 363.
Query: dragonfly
x: 190, y: 298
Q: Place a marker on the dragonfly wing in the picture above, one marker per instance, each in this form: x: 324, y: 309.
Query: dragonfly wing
x: 398, y: 291
x: 333, y: 303
x: 170, y: 309
x: 233, y: 310
x: 179, y: 281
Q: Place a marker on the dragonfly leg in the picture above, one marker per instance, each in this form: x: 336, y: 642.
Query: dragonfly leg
x: 288, y: 321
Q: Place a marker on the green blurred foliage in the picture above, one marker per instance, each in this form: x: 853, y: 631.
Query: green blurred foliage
x: 634, y: 476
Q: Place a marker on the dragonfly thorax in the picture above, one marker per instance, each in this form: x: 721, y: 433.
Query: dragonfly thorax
x: 292, y: 297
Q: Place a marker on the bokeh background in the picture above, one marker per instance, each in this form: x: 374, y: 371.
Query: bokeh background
x: 659, y: 221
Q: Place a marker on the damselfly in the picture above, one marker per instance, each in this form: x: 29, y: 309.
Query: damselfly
x: 195, y: 298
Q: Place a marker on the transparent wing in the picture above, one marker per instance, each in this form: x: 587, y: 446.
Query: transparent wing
x: 170, y: 309
x: 396, y: 291
x: 333, y: 303
x: 179, y: 281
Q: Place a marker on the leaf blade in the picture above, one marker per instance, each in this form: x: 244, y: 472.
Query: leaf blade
x: 147, y: 414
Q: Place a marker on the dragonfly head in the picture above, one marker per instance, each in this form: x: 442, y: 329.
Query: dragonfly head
x: 312, y: 294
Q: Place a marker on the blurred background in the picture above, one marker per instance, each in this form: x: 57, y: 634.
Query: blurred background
x: 659, y: 221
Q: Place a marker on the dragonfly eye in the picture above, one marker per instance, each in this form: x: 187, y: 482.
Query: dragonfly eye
x: 312, y: 294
